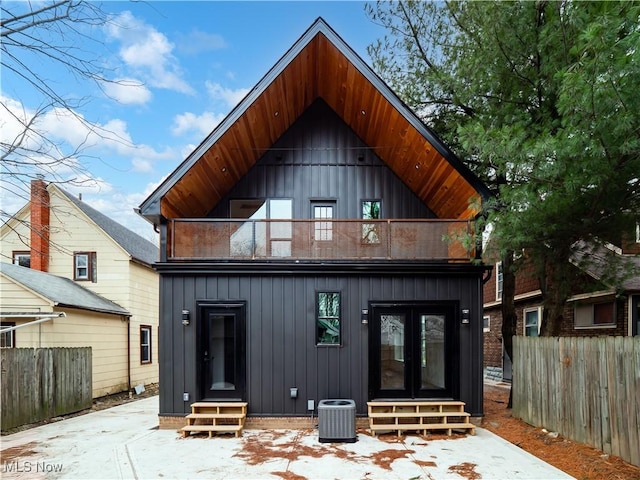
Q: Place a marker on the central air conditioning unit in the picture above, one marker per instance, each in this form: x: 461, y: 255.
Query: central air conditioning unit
x: 337, y: 421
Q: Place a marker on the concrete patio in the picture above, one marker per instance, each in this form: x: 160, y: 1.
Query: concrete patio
x: 124, y: 443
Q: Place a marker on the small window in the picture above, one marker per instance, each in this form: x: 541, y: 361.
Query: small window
x: 85, y: 266
x: 145, y: 344
x: 328, y: 318
x: 499, y: 281
x: 323, y: 231
x: 7, y: 339
x: 22, y: 258
x: 486, y: 323
x: 532, y: 319
x: 594, y: 315
x: 638, y: 232
x: 370, y: 211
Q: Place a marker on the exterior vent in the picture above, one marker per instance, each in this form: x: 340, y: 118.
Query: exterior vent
x: 337, y: 421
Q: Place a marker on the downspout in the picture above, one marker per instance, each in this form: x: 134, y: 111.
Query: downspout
x: 128, y: 320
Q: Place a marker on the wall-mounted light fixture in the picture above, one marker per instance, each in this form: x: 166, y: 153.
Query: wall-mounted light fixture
x: 466, y: 316
x: 293, y: 392
x: 365, y: 316
x: 186, y: 317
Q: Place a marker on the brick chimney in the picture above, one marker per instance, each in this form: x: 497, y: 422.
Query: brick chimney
x: 39, y: 225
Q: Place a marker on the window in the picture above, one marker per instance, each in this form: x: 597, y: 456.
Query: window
x: 638, y: 232
x: 254, y: 238
x: 499, y: 280
x: 7, y: 339
x: 145, y: 344
x: 486, y: 323
x: 370, y: 211
x: 328, y: 318
x: 588, y: 315
x: 532, y: 319
x: 22, y: 258
x: 323, y: 231
x: 85, y: 266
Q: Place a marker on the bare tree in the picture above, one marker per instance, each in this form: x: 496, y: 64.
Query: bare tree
x: 38, y: 42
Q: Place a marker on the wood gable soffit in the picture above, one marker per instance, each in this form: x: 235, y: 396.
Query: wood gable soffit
x: 319, y: 65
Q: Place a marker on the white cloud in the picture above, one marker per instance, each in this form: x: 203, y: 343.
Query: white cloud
x: 227, y: 95
x: 142, y: 165
x: 147, y: 52
x: 201, y: 124
x: 70, y: 135
x: 127, y: 91
x: 198, y: 41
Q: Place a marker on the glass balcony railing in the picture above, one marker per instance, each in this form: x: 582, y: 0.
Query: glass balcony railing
x: 326, y: 239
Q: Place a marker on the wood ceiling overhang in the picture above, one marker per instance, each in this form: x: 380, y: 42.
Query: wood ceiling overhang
x: 318, y: 65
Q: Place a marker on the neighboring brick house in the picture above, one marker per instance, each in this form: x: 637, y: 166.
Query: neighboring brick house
x: 594, y: 308
x: 58, y: 234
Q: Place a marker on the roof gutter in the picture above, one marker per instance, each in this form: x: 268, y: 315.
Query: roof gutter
x: 42, y: 317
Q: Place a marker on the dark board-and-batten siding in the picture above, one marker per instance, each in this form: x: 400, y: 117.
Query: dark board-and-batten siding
x: 320, y: 157
x: 280, y: 334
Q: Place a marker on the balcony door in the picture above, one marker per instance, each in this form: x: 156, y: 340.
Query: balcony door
x: 412, y: 351
x: 221, y: 351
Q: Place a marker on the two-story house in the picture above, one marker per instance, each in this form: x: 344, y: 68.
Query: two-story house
x: 596, y: 307
x: 63, y: 238
x: 319, y: 243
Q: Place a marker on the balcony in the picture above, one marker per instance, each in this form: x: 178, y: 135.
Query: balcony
x: 325, y: 240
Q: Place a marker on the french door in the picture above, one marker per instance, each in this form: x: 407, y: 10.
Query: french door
x: 413, y: 351
x: 221, y: 351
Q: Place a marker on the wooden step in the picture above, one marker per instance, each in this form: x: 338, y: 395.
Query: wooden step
x: 399, y: 403
x: 237, y: 429
x: 424, y: 427
x: 223, y: 417
x: 216, y: 415
x: 416, y: 415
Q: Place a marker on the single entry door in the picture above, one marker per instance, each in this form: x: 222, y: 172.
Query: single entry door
x: 413, y: 351
x: 221, y: 352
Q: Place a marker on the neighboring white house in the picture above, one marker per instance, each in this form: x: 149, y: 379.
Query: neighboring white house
x: 44, y: 310
x: 63, y: 236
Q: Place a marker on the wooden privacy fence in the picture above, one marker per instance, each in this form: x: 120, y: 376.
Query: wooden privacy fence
x: 42, y: 383
x: 586, y: 389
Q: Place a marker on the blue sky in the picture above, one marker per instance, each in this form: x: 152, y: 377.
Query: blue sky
x: 182, y: 66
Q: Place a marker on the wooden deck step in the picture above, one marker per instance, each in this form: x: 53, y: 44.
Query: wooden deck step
x: 237, y: 429
x: 216, y: 417
x: 422, y: 416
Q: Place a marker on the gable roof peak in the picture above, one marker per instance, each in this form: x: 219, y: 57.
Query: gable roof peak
x: 318, y: 64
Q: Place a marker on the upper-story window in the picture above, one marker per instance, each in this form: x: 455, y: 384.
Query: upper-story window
x: 371, y: 211
x: 85, y: 266
x: 262, y: 238
x: 22, y: 258
x: 499, y: 280
x: 323, y: 231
